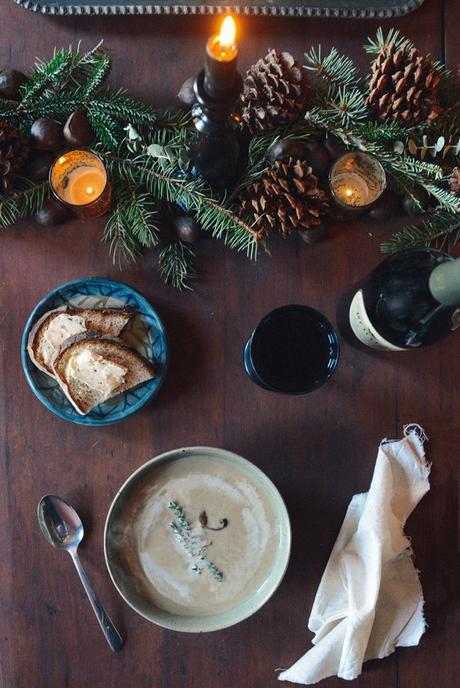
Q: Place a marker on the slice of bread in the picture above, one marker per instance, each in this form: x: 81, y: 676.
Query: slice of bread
x: 81, y: 395
x: 105, y: 321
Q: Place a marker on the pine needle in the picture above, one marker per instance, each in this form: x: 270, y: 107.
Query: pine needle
x: 175, y: 262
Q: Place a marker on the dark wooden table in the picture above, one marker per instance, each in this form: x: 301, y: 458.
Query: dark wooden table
x: 318, y: 449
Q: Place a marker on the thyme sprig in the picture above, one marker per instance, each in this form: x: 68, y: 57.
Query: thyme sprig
x: 192, y: 544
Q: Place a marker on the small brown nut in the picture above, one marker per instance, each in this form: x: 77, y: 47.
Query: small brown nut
x: 52, y: 213
x: 77, y: 129
x: 46, y: 134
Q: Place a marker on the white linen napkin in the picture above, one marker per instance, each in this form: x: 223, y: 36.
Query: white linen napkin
x: 370, y: 599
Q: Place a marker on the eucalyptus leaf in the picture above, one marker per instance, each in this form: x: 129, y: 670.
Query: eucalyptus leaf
x: 440, y: 143
x: 398, y: 147
x: 157, y: 151
x: 412, y: 146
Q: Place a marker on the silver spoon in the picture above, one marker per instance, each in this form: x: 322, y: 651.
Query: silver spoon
x: 62, y: 527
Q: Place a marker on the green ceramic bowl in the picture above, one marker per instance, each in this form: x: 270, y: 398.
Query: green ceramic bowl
x: 116, y: 556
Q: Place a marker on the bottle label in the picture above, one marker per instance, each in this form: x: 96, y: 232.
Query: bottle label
x: 364, y: 329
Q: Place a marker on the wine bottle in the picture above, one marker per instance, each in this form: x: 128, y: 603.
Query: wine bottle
x: 408, y: 301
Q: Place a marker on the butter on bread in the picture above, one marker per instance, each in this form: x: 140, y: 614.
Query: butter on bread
x: 92, y: 369
x: 58, y: 325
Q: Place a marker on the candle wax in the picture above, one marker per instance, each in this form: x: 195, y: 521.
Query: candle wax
x: 84, y: 185
x: 221, y: 52
x: 351, y: 189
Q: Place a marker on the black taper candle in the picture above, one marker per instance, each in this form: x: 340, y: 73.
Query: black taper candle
x: 220, y: 67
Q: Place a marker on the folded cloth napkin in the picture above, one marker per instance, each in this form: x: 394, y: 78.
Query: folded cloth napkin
x: 370, y: 599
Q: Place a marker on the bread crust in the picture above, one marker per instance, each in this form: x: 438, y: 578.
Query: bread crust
x: 86, y: 337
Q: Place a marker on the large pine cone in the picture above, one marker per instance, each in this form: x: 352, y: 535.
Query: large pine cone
x: 286, y: 198
x: 275, y: 92
x: 404, y: 86
x: 13, y: 154
x: 454, y: 181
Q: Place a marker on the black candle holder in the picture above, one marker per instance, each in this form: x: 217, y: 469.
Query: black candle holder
x: 217, y: 153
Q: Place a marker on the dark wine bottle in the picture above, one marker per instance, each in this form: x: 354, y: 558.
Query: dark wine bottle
x: 409, y: 300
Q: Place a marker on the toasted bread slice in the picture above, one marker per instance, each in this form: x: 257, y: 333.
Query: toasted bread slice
x: 105, y: 321
x: 83, y: 396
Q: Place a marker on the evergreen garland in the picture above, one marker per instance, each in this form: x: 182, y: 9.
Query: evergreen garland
x: 146, y: 153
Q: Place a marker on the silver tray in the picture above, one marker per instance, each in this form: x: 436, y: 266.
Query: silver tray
x: 288, y: 8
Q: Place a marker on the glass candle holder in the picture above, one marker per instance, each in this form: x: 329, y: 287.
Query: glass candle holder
x: 356, y: 180
x: 78, y: 179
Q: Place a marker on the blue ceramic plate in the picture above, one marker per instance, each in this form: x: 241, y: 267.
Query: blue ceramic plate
x: 145, y: 333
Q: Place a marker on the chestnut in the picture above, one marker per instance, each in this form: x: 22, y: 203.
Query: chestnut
x: 77, y: 129
x: 46, y: 134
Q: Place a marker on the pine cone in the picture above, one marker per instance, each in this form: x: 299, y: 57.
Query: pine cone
x: 286, y: 198
x: 275, y: 92
x: 454, y: 181
x: 404, y: 86
x: 13, y: 153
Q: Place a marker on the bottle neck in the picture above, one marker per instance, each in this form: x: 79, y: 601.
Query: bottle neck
x: 444, y: 283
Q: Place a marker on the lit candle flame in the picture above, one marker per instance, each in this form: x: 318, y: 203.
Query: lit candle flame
x: 227, y: 32
x: 89, y: 190
x: 349, y: 192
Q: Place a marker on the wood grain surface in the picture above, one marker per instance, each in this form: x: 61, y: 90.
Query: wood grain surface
x: 318, y: 449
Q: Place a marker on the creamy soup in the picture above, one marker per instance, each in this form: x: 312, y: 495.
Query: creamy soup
x: 202, y: 535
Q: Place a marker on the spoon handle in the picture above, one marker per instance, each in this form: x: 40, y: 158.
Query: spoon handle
x: 112, y: 636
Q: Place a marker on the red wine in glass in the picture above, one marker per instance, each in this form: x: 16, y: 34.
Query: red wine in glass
x: 293, y: 350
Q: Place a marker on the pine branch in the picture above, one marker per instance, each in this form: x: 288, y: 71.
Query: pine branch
x: 374, y: 46
x: 67, y: 68
x: 382, y: 132
x: 47, y: 74
x: 97, y: 76
x: 23, y: 202
x: 259, y: 149
x: 436, y: 229
x: 175, y: 262
x: 165, y: 182
x: 120, y: 107
x: 446, y: 198
x: 57, y: 106
x: 333, y: 69
x: 107, y: 131
x: 132, y: 225
x: 340, y: 107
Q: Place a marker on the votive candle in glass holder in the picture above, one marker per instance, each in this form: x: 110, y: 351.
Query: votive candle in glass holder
x: 357, y: 180
x: 78, y: 179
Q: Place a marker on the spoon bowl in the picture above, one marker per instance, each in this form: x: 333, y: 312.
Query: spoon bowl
x: 60, y: 523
